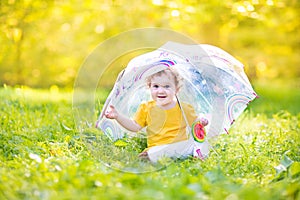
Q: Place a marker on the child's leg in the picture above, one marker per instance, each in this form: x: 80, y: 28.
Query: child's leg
x: 175, y: 150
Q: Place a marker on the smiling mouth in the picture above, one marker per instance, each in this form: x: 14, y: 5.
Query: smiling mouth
x: 161, y: 97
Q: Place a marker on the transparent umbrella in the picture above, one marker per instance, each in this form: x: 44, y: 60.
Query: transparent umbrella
x: 214, y: 83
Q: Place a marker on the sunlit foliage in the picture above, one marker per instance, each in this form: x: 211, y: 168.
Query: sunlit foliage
x: 43, y: 43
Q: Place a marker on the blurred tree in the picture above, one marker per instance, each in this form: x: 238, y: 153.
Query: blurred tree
x: 18, y: 22
x: 44, y: 42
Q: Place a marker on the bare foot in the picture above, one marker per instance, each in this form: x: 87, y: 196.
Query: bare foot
x: 144, y: 155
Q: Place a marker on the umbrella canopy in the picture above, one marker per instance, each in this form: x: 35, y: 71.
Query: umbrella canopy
x: 214, y: 82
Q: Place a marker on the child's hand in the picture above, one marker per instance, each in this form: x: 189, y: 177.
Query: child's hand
x: 202, y: 120
x: 111, y: 113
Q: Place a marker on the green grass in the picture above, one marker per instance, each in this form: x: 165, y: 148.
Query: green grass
x: 43, y: 156
x: 277, y: 95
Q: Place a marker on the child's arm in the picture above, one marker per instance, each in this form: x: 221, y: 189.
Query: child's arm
x: 124, y: 121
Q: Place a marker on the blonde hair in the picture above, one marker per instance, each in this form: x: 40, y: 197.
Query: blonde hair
x: 171, y: 73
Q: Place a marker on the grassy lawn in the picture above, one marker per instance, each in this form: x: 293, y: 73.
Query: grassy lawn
x: 42, y: 155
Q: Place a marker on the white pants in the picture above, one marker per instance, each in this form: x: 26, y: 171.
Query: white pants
x: 180, y: 149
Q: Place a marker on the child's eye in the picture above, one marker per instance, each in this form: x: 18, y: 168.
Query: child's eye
x: 155, y: 86
x: 167, y: 86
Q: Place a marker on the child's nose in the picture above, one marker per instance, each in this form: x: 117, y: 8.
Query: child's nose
x: 160, y: 89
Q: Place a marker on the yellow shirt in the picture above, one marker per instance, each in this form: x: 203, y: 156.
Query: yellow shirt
x: 164, y: 126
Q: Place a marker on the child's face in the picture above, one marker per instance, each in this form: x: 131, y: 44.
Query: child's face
x: 163, y: 90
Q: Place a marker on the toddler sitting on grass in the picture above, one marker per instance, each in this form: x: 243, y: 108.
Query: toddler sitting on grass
x: 165, y: 119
